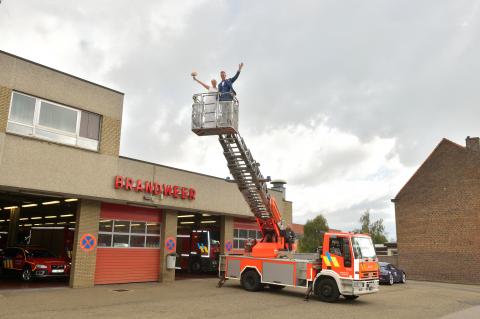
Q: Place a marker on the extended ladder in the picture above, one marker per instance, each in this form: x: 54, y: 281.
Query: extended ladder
x: 246, y: 172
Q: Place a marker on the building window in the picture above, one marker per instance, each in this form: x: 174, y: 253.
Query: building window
x: 54, y: 122
x: 241, y: 235
x: 126, y: 234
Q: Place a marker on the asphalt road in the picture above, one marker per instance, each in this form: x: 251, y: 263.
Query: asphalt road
x: 199, y: 298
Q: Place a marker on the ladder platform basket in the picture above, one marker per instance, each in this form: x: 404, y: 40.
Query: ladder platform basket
x: 214, y: 115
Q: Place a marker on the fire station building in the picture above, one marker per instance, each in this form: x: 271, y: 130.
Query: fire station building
x: 62, y: 180
x: 438, y: 216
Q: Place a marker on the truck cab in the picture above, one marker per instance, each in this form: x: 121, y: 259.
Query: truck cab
x: 349, y: 261
x: 198, y: 251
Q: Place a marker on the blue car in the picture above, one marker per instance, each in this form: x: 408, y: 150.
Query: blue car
x: 389, y: 274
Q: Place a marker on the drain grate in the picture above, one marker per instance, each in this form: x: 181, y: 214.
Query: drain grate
x: 120, y: 290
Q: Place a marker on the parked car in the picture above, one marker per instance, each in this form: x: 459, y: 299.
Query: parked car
x: 389, y: 274
x: 33, y: 262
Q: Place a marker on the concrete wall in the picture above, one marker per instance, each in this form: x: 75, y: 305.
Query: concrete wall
x: 438, y: 217
x: 46, y: 167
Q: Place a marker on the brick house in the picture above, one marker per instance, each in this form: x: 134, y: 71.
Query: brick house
x: 438, y: 216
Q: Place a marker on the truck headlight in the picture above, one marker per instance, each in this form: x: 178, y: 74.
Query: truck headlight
x: 357, y: 284
x: 41, y: 267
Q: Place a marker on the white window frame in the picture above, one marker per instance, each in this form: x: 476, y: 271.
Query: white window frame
x: 238, y: 238
x: 130, y: 234
x: 36, y: 125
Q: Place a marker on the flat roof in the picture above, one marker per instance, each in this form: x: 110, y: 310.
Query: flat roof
x: 61, y: 72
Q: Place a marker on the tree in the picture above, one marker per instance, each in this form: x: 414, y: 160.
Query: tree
x: 375, y: 229
x: 312, y: 234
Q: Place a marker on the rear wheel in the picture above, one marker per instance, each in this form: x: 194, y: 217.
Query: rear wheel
x: 27, y: 274
x: 326, y: 289
x: 404, y: 278
x: 251, y: 281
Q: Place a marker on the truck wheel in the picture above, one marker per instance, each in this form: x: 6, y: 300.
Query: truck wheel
x: 326, y: 289
x: 275, y: 287
x: 251, y: 281
x: 195, y: 267
x: 27, y: 274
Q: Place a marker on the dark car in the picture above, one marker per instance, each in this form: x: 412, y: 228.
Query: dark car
x: 33, y: 262
x: 389, y: 274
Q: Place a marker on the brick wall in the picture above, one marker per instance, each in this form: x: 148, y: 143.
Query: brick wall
x: 438, y: 217
x: 5, y: 94
x: 83, y: 263
x: 110, y: 136
x: 389, y: 259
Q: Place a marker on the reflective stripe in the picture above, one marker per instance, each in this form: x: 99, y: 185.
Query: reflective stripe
x: 326, y: 261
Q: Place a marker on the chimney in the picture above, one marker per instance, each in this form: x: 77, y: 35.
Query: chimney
x: 473, y: 143
x: 279, y: 185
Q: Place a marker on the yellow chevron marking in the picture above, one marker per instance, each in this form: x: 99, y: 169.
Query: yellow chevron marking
x: 335, y: 262
x: 326, y: 261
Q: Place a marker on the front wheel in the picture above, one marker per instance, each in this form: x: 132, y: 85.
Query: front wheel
x: 27, y: 274
x: 326, y: 289
x: 390, y: 280
x: 195, y: 267
x: 404, y: 278
x: 251, y: 281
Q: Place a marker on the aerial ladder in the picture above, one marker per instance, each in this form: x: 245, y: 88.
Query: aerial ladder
x: 345, y: 264
x: 214, y: 117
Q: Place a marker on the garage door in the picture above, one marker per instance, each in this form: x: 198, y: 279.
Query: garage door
x: 128, y: 245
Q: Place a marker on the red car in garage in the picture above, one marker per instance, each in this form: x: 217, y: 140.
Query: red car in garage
x: 33, y: 262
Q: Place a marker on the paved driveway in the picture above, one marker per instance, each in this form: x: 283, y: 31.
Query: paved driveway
x: 198, y: 298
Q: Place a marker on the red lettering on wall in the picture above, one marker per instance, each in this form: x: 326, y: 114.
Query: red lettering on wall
x: 158, y: 189
x: 148, y: 187
x: 191, y: 194
x: 155, y: 188
x: 129, y: 184
x: 176, y: 191
x: 118, y: 182
x: 167, y: 190
x: 139, y: 187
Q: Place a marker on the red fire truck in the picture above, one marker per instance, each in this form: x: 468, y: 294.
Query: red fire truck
x: 198, y: 251
x: 345, y: 265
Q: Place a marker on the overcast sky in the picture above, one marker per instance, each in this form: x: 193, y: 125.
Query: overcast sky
x: 342, y: 99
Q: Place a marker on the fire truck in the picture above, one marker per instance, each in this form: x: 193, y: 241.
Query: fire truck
x: 198, y: 252
x: 345, y: 264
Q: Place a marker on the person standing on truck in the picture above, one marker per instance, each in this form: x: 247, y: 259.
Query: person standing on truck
x: 225, y: 88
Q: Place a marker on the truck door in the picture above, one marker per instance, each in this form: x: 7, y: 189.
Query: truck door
x: 340, y: 256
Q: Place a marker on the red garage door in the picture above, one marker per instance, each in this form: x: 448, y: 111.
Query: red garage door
x: 128, y: 245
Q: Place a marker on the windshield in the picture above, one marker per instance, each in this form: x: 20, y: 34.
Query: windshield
x: 363, y: 248
x: 39, y: 253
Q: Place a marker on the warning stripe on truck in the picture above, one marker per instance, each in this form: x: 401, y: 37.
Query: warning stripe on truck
x: 8, y: 263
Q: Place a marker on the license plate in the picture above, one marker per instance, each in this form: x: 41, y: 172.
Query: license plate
x: 56, y: 271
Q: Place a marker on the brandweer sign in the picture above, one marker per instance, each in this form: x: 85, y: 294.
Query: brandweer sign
x: 154, y: 188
